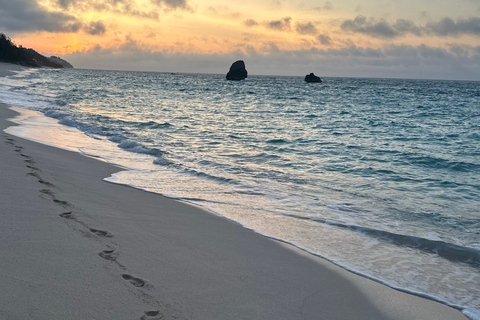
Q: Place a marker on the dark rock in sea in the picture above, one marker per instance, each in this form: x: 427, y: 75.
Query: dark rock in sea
x: 312, y: 78
x: 237, y: 71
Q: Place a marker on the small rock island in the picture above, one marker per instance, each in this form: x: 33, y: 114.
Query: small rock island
x: 312, y: 78
x: 237, y: 71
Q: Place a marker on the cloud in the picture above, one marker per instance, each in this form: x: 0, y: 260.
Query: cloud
x: 27, y: 15
x: 173, y: 4
x: 372, y: 27
x: 95, y: 28
x: 285, y: 25
x: 250, y: 23
x: 65, y: 3
x: 224, y: 12
x: 380, y: 28
x: 324, y: 39
x: 326, y: 7
x: 449, y: 27
x: 403, y: 26
x: 279, y: 25
x: 74, y: 27
x: 306, y: 28
x: 123, y: 7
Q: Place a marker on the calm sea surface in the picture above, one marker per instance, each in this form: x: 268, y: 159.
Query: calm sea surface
x: 380, y: 176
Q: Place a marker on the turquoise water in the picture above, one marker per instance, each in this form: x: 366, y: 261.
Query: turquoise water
x: 380, y: 176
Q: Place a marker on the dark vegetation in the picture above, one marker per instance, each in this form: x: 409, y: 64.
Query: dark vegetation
x: 10, y: 53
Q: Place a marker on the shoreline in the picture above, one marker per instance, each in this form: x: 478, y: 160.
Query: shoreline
x: 8, y: 69
x: 168, y: 256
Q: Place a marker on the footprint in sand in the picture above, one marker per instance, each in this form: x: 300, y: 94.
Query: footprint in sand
x: 29, y: 161
x: 152, y: 315
x: 61, y: 202
x: 108, y: 254
x: 47, y: 192
x: 46, y: 183
x: 33, y: 168
x: 137, y: 282
x: 66, y: 215
x: 34, y: 174
x: 102, y: 233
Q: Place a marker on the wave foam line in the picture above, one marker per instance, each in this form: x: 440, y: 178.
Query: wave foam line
x: 448, y: 251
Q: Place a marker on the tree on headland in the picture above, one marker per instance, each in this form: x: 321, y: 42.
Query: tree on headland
x: 10, y: 53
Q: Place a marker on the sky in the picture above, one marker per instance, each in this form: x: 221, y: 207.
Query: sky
x: 426, y: 39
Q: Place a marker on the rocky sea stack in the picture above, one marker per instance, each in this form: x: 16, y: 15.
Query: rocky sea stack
x: 312, y: 78
x: 237, y: 71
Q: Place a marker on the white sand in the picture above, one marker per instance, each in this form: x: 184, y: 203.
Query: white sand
x: 8, y: 69
x: 165, y: 257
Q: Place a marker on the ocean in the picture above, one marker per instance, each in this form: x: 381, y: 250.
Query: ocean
x: 379, y: 176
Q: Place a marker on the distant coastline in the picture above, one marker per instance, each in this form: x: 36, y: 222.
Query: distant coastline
x: 10, y: 53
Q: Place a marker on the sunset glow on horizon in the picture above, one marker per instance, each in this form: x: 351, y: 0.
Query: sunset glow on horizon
x: 324, y: 33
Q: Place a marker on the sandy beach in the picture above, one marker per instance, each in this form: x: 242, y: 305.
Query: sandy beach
x: 76, y: 247
x: 7, y: 69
